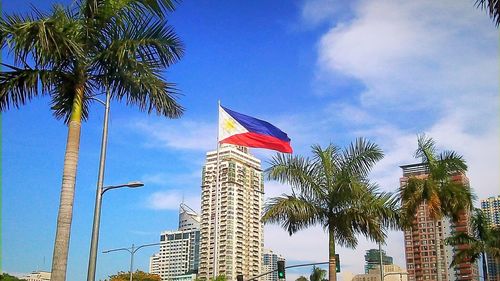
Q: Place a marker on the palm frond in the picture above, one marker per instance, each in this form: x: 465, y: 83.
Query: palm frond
x: 147, y: 40
x: 294, y: 213
x: 298, y: 172
x: 411, y: 194
x: 102, y: 10
x: 360, y: 157
x: 452, y: 161
x: 465, y: 255
x: 18, y: 86
x: 63, y: 97
x: 493, y: 8
x: 426, y: 149
x: 49, y: 39
x: 344, y: 231
x: 455, y: 199
x: 460, y: 238
x: 324, y: 163
x: 131, y: 65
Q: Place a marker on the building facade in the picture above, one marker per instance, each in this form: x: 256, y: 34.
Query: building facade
x: 38, y: 276
x: 179, y: 250
x: 391, y: 273
x: 232, y: 232
x: 372, y: 259
x: 421, y: 241
x: 270, y: 263
x: 491, y: 208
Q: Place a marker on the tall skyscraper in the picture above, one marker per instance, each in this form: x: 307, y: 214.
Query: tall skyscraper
x: 420, y: 241
x: 232, y: 233
x: 270, y: 263
x: 491, y: 208
x: 179, y: 250
x: 372, y: 259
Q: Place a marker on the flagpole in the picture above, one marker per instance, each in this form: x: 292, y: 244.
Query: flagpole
x: 216, y: 223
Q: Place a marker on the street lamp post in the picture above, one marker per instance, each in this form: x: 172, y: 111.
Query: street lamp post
x: 132, y: 251
x: 100, y: 191
x: 95, y: 227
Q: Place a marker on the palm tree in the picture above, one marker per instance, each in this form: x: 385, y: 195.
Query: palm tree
x: 332, y: 189
x: 317, y: 274
x: 495, y: 248
x: 301, y: 278
x: 69, y: 54
x: 443, y: 196
x: 493, y: 7
x: 479, y: 243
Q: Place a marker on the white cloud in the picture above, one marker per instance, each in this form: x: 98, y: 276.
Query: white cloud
x: 170, y: 200
x: 318, y: 11
x: 184, y: 135
x: 426, y: 66
x: 413, y: 51
x: 173, y: 179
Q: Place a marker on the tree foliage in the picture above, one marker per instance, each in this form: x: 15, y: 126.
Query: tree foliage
x: 483, y: 240
x: 71, y: 54
x: 444, y: 196
x: 332, y: 189
x: 301, y: 278
x: 493, y: 8
x: 8, y: 277
x: 136, y: 276
x: 317, y: 274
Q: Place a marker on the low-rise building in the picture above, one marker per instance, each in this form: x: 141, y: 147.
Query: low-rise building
x: 38, y: 276
x: 391, y: 272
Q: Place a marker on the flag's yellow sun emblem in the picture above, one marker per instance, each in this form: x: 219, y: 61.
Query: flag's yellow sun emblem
x: 229, y: 125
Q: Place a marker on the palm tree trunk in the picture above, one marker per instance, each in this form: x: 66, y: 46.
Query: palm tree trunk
x: 438, y: 251
x: 332, y: 271
x: 485, y: 266
x: 61, y: 245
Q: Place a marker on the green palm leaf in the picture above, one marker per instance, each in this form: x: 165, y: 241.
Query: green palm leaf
x: 332, y: 189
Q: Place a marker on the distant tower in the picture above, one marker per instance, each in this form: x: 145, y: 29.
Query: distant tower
x: 240, y: 198
x: 188, y: 218
x: 270, y: 263
x: 180, y: 249
x: 491, y: 208
x: 420, y: 241
x: 372, y: 259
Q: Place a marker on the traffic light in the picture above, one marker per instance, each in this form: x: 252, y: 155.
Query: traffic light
x: 337, y: 263
x: 281, y: 269
x: 239, y: 277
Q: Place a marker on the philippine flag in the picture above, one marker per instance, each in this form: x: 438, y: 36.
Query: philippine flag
x: 239, y: 129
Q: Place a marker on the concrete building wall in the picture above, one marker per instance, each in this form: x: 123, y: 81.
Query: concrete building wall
x: 232, y: 233
x: 391, y: 273
x: 270, y: 263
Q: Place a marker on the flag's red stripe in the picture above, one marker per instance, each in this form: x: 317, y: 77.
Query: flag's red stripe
x: 257, y: 140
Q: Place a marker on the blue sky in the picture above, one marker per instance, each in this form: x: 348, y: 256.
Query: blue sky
x: 321, y: 70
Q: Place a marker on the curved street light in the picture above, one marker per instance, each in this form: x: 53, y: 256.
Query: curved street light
x: 132, y: 251
x: 100, y: 191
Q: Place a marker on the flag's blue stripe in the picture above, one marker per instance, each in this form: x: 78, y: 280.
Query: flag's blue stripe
x: 257, y: 126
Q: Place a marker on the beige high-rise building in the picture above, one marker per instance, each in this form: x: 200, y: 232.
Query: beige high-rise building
x: 232, y: 234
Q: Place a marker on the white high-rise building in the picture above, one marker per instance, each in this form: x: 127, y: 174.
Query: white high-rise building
x: 179, y: 250
x: 270, y: 263
x: 233, y: 231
